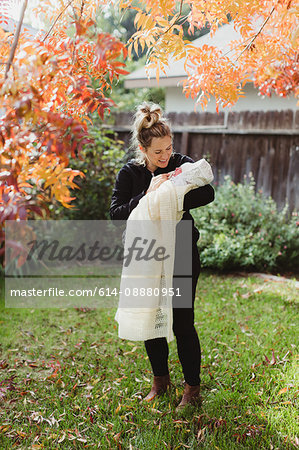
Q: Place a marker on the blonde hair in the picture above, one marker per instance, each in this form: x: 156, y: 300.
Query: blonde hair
x: 148, y: 124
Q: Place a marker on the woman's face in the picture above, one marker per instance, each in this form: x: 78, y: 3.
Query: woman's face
x: 158, y: 153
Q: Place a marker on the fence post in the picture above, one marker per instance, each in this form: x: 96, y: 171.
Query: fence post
x: 184, y: 145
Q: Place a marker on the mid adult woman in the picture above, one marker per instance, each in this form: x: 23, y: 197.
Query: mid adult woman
x: 152, y: 139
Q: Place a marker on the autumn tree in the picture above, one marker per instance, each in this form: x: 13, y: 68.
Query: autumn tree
x: 267, y: 52
x: 49, y: 85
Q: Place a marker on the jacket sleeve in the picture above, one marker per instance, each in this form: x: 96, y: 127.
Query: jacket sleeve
x: 197, y: 197
x: 122, y: 202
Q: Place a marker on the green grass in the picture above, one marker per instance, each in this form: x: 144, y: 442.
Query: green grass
x: 67, y: 380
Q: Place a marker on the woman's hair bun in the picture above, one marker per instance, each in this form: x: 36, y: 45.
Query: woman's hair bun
x: 148, y: 123
x: 147, y: 115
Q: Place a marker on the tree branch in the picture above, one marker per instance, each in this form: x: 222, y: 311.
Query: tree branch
x: 236, y: 46
x: 16, y: 39
x: 82, y: 7
x: 181, y: 7
x: 149, y: 51
x: 74, y: 49
x: 180, y: 12
x: 57, y: 18
x: 259, y: 31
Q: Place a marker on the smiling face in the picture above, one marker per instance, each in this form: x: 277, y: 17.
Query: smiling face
x: 158, y: 153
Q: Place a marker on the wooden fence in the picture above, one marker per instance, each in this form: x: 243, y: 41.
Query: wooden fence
x: 265, y: 144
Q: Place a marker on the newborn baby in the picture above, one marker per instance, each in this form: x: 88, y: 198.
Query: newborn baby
x: 188, y: 173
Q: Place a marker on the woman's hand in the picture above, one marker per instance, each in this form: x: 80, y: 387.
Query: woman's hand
x: 157, y: 181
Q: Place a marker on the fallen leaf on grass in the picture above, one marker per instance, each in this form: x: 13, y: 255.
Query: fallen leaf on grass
x: 117, y: 409
x: 8, y: 384
x: 62, y: 438
x: 252, y: 376
x: 21, y: 433
x: 283, y: 391
x: 116, y: 438
x: 273, y: 361
x: 259, y: 289
x: 84, y: 310
x: 71, y: 437
x: 180, y: 421
x: 201, y: 435
x: 3, y: 364
x: 131, y: 351
x: 94, y: 345
x: 154, y: 410
x: 32, y: 364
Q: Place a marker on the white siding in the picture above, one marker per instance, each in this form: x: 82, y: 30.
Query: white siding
x: 175, y: 101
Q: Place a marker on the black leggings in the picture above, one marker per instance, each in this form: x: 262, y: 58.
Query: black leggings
x: 188, y: 344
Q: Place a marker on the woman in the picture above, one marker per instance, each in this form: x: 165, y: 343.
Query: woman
x: 155, y: 159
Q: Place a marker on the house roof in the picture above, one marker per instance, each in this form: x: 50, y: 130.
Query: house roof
x: 175, y: 72
x: 9, y: 24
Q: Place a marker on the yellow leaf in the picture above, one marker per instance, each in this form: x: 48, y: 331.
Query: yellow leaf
x: 137, y: 17
x: 162, y: 22
x: 173, y: 19
x: 141, y: 21
x: 50, y: 180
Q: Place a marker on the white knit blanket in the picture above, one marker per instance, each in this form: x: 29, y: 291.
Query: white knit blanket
x: 145, y: 301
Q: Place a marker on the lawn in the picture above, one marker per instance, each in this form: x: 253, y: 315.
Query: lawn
x: 68, y: 381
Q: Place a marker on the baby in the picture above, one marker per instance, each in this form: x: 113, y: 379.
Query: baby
x: 190, y: 173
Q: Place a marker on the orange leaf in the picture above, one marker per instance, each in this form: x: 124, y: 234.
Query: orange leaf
x: 283, y: 391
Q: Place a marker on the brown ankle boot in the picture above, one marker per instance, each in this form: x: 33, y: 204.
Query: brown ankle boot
x: 190, y: 396
x: 160, y: 385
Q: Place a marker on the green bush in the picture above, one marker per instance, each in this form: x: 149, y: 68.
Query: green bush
x: 244, y: 230
x: 100, y: 165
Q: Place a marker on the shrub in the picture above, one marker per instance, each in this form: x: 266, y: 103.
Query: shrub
x: 244, y: 230
x: 100, y: 164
